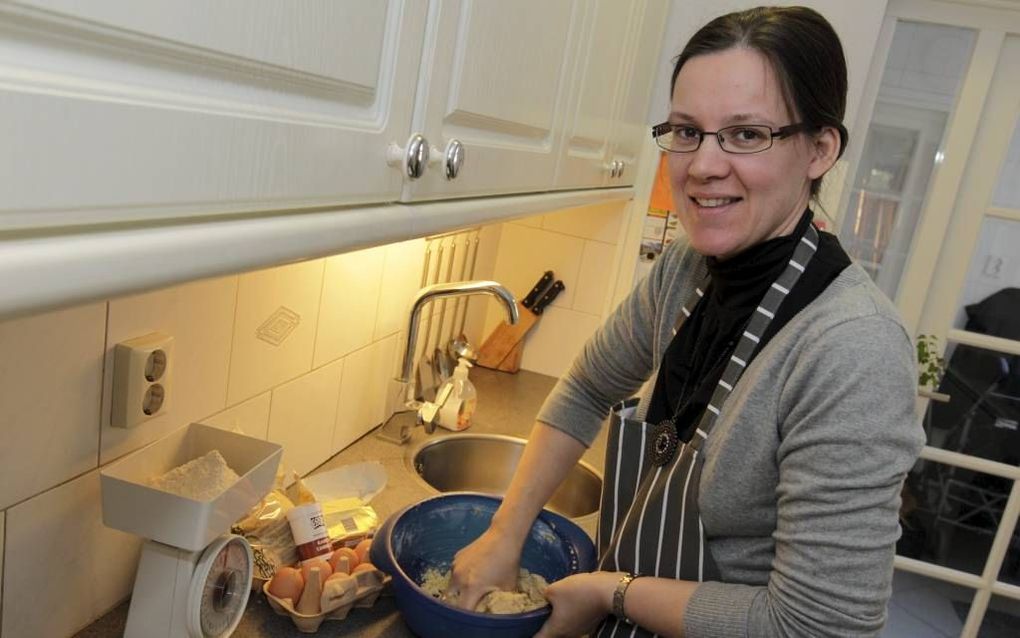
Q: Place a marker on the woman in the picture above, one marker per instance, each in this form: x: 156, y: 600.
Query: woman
x: 754, y: 491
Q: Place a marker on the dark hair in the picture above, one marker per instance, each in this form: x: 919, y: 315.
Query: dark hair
x: 805, y: 54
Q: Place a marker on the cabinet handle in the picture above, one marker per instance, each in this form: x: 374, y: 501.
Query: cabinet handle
x: 619, y: 170
x: 611, y: 167
x: 413, y: 158
x: 454, y: 158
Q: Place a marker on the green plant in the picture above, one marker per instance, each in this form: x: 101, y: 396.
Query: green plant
x: 930, y: 365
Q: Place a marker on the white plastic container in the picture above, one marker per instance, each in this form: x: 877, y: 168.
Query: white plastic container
x: 459, y: 407
x: 130, y: 505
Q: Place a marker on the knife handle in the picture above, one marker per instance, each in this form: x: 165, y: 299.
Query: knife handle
x: 542, y: 284
x: 548, y: 297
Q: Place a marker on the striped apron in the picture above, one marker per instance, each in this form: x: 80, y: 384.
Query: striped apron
x: 650, y: 523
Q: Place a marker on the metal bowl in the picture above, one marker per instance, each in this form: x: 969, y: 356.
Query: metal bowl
x: 486, y: 463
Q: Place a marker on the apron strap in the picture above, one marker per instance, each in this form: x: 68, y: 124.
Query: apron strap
x: 756, y: 327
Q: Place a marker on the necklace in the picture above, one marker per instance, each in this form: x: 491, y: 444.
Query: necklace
x: 665, y: 436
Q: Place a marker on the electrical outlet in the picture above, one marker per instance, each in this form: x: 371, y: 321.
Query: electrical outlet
x: 142, y: 375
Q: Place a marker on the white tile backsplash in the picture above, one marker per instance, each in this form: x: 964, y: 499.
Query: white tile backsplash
x: 401, y: 280
x: 63, y: 567
x: 525, y: 253
x: 51, y: 370
x: 302, y: 418
x: 594, y: 281
x: 556, y: 339
x: 200, y: 318
x: 350, y: 297
x: 601, y: 222
x: 250, y: 417
x: 362, y: 401
x: 274, y: 329
x: 300, y: 354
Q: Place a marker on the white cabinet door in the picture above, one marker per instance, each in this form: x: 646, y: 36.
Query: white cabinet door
x: 630, y: 126
x: 495, y: 77
x: 116, y: 110
x: 599, y: 77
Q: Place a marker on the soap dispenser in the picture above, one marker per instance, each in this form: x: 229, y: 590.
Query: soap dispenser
x: 460, y: 405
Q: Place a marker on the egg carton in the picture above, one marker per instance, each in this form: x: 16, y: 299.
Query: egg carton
x: 370, y: 584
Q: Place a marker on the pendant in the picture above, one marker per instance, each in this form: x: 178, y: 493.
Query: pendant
x: 663, y: 443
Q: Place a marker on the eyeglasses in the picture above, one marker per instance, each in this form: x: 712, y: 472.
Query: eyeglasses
x: 740, y: 139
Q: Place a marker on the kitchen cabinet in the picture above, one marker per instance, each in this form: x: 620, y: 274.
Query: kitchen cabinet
x: 150, y: 143
x: 123, y: 111
x: 495, y: 79
x: 630, y: 126
x: 612, y: 86
x: 118, y: 110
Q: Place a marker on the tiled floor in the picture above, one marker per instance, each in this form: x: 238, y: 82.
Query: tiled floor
x: 922, y: 607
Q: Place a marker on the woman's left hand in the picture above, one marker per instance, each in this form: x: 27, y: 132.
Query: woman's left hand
x: 579, y: 603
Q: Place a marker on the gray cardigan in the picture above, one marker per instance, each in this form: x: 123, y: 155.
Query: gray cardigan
x: 800, y: 490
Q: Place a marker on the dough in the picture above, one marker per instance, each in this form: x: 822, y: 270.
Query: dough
x: 529, y: 594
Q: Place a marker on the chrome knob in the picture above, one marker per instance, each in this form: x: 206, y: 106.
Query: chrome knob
x: 619, y: 170
x: 413, y: 158
x: 611, y: 167
x: 454, y: 158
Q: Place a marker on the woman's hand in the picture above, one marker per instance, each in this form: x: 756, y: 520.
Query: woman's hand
x: 488, y: 564
x: 579, y: 603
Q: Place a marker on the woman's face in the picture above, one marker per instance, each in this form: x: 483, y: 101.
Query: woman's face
x: 728, y: 202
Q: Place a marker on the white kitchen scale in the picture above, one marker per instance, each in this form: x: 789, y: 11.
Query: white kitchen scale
x: 193, y: 578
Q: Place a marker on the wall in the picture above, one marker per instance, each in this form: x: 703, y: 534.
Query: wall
x: 584, y: 247
x: 316, y: 392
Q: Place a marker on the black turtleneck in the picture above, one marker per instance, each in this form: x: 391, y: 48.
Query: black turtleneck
x: 695, y: 359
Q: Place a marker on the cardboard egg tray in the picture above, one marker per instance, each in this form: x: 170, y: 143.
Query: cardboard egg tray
x: 370, y: 586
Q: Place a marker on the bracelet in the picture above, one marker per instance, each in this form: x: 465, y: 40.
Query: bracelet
x: 618, y: 595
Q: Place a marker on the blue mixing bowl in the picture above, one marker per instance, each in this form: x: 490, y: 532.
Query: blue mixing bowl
x: 428, y: 534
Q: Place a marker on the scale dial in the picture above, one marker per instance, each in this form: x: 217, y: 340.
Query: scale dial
x: 219, y: 587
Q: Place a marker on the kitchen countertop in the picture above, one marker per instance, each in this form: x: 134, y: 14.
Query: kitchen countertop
x: 507, y: 404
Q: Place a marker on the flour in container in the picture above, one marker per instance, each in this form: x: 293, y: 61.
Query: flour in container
x: 202, y: 479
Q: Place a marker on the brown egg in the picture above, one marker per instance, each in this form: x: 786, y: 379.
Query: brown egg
x: 287, y: 583
x: 362, y: 549
x: 363, y: 567
x: 350, y: 554
x: 325, y: 571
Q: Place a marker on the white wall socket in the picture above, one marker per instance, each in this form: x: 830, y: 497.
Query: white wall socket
x: 142, y: 379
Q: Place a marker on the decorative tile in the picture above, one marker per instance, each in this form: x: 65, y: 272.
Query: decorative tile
x: 51, y: 374
x: 556, y: 340
x: 250, y: 417
x: 601, y: 222
x: 400, y: 281
x: 61, y: 532
x: 302, y: 417
x: 595, y: 279
x: 362, y: 403
x: 274, y: 328
x: 350, y: 299
x: 525, y: 253
x: 200, y: 318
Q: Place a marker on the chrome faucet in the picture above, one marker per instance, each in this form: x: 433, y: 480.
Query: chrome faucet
x: 402, y: 405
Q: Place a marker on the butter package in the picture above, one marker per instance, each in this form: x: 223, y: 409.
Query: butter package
x: 348, y: 521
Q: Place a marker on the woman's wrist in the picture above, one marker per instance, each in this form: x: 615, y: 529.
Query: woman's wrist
x: 510, y: 527
x: 607, y: 589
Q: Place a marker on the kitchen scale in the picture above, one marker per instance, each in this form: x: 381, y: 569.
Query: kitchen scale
x: 193, y: 594
x: 193, y: 578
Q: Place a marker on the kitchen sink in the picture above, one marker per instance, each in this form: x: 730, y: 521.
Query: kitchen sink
x: 486, y: 463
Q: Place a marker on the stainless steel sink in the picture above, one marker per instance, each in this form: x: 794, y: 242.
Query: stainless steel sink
x: 486, y: 463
